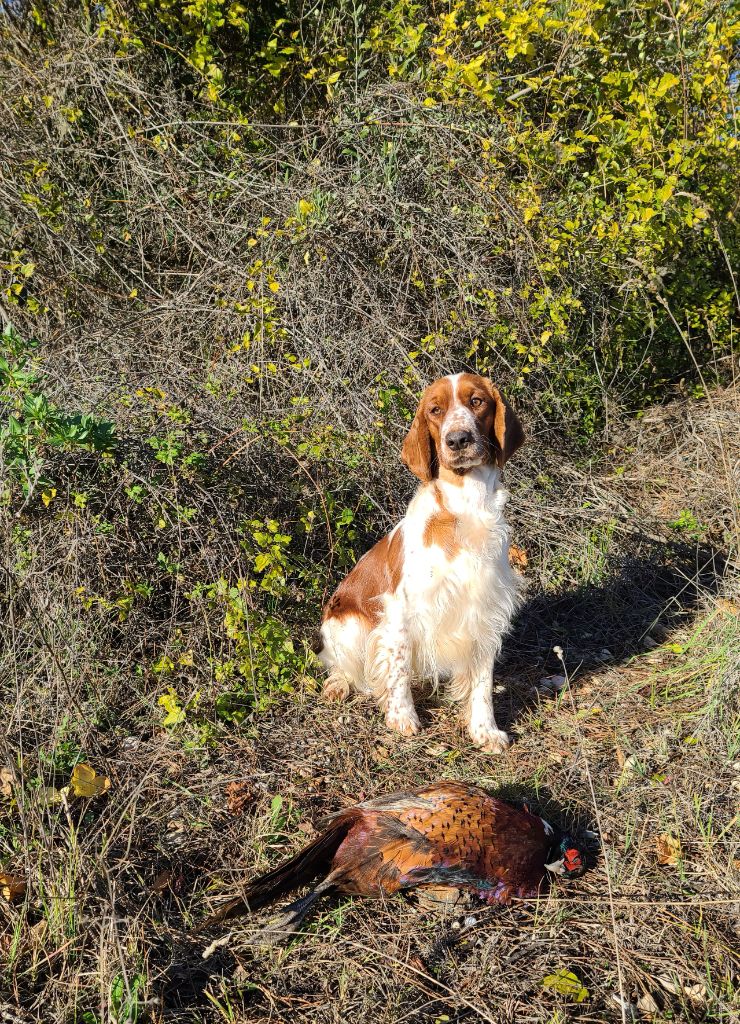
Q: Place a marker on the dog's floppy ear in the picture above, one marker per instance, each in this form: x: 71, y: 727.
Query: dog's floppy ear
x: 418, y: 453
x: 507, y: 433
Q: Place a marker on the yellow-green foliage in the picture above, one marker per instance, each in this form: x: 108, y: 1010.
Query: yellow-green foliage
x: 601, y: 133
x: 613, y: 132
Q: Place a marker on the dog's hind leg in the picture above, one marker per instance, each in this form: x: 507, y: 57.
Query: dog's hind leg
x: 342, y: 653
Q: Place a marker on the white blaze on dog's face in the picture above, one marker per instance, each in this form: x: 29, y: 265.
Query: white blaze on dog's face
x: 462, y: 421
x: 462, y: 432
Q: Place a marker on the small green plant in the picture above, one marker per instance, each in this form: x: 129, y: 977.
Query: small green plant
x: 125, y: 1001
x: 126, y: 998
x: 687, y: 524
x: 259, y: 659
x: 63, y: 756
x: 268, y: 546
x: 30, y: 423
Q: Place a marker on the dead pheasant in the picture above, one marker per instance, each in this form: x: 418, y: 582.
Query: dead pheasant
x: 444, y: 834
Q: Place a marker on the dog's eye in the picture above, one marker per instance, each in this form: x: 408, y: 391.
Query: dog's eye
x: 435, y: 410
x: 475, y: 402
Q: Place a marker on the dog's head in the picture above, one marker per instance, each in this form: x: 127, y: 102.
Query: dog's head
x: 462, y: 421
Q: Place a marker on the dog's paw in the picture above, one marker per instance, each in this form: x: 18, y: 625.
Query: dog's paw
x: 336, y: 688
x: 403, y: 720
x: 490, y: 740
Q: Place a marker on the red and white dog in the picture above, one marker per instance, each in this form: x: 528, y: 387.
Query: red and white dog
x: 435, y: 597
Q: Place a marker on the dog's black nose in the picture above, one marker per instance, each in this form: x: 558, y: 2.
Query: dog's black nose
x: 457, y: 439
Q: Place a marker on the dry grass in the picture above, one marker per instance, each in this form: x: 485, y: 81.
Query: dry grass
x: 114, y: 884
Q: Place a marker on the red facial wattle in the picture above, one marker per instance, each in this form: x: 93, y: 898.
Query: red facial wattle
x: 572, y: 860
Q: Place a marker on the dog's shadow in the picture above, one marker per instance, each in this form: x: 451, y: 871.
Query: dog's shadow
x: 639, y: 600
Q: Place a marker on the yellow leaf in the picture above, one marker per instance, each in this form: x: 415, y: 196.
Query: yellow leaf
x: 668, y: 849
x: 567, y: 984
x: 86, y: 782
x: 12, y: 887
x: 169, y: 701
x: 48, y: 496
x: 667, y: 82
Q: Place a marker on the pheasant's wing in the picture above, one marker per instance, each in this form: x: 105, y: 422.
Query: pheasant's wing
x: 434, y: 836
x: 430, y: 797
x: 427, y: 797
x: 378, y: 854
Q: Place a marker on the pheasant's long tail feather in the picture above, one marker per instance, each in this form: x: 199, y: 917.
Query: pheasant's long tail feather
x: 304, y: 867
x: 292, y: 917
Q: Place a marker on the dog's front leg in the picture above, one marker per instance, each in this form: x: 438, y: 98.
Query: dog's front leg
x: 391, y: 676
x: 481, y: 721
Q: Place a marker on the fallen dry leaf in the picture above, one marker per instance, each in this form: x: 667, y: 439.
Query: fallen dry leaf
x: 646, y: 1004
x: 518, y: 557
x: 668, y: 849
x: 86, y: 782
x: 239, y: 795
x: 12, y: 887
x: 630, y: 771
x: 162, y: 881
x: 695, y: 992
x: 729, y: 607
x: 6, y: 783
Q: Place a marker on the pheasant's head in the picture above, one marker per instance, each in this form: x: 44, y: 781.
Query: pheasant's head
x: 566, y: 857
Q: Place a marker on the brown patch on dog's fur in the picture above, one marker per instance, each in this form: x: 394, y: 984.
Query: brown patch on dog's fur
x: 456, y: 477
x: 377, y: 573
x: 441, y: 529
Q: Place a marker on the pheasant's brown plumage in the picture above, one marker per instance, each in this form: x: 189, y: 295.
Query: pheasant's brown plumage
x: 443, y: 834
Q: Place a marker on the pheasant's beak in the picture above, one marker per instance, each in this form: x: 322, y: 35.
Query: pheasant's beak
x: 556, y: 867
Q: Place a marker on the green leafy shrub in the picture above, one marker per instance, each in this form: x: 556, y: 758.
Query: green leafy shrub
x: 261, y: 658
x: 30, y: 423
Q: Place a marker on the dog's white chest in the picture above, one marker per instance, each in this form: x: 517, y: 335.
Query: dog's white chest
x: 459, y: 584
